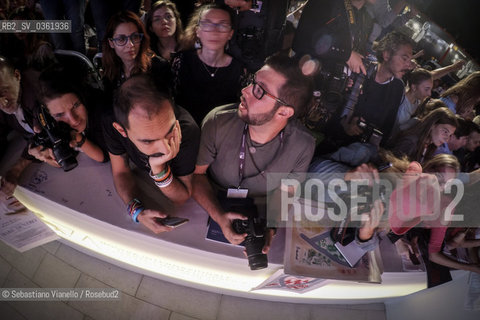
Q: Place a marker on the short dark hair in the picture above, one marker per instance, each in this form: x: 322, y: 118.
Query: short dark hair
x: 139, y: 88
x: 54, y: 83
x: 464, y: 127
x: 391, y: 43
x: 298, y: 89
x: 474, y: 127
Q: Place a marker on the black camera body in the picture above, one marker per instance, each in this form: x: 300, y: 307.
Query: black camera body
x: 370, y: 133
x: 254, y: 241
x: 333, y: 81
x: 344, y: 231
x: 56, y: 136
x: 254, y: 227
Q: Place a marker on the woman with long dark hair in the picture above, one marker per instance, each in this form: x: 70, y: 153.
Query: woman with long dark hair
x: 420, y: 142
x: 165, y: 28
x: 126, y: 51
x: 464, y: 96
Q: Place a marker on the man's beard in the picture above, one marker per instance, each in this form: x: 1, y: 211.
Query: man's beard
x: 258, y: 119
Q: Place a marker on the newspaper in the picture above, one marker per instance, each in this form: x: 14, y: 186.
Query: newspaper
x: 299, y: 284
x: 310, y: 252
x: 21, y: 228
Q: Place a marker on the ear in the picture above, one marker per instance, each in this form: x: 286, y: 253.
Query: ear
x: 17, y: 74
x: 110, y: 42
x: 286, y: 112
x: 386, y: 55
x: 230, y: 35
x: 120, y: 129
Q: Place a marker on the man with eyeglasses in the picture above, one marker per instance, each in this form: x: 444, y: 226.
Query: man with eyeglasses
x: 242, y: 143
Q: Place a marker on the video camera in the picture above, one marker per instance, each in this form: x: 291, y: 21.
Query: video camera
x: 56, y: 136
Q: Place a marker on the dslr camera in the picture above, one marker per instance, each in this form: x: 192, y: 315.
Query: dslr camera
x: 333, y: 82
x: 254, y: 227
x: 254, y: 241
x: 370, y: 133
x: 344, y: 231
x: 56, y: 136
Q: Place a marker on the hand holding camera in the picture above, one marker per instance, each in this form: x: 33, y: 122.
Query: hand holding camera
x: 351, y: 127
x: 52, y: 143
x: 226, y: 224
x: 43, y: 154
x: 254, y: 241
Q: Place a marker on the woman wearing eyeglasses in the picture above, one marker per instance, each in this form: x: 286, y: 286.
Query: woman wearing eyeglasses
x: 164, y: 27
x: 126, y: 51
x: 205, y: 76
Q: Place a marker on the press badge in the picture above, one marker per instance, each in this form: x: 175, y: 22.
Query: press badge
x: 237, y: 193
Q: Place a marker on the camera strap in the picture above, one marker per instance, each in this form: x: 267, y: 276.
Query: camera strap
x: 350, y: 14
x: 354, y: 25
x: 243, y: 152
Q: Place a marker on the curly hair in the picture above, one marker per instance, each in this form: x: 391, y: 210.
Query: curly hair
x: 391, y: 43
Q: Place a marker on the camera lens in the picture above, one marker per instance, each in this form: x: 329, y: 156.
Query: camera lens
x: 65, y: 157
x: 256, y: 259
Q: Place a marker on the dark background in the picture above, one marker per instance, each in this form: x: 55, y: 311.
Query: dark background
x: 460, y: 18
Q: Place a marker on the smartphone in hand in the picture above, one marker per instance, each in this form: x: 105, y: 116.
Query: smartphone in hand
x: 173, y: 221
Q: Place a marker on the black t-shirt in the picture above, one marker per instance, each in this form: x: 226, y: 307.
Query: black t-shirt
x: 195, y: 88
x: 183, y: 164
x: 379, y: 104
x: 325, y: 31
x: 159, y: 70
x: 97, y: 104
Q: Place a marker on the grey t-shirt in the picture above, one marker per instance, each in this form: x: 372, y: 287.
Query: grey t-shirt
x: 220, y: 145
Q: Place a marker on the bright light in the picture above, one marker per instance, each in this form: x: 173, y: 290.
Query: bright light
x: 197, y: 268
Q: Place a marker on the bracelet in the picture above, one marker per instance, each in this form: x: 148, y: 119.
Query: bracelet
x: 164, y: 178
x: 162, y: 175
x: 165, y: 183
x: 82, y: 141
x: 136, y: 213
x: 134, y: 208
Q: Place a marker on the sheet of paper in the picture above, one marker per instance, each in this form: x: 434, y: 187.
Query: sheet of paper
x: 21, y: 228
x: 299, y: 284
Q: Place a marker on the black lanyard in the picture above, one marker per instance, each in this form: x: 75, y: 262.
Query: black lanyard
x: 242, y: 154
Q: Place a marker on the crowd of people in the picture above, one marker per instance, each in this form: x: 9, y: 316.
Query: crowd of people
x: 207, y: 122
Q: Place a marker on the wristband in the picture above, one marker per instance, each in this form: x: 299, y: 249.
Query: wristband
x: 162, y: 175
x: 82, y: 141
x: 164, y: 178
x: 136, y: 213
x: 165, y: 183
x: 134, y: 208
